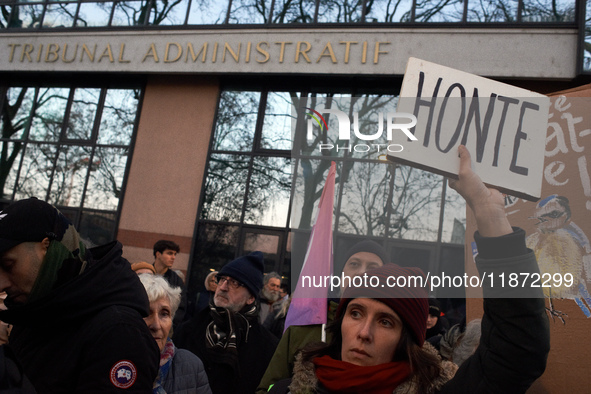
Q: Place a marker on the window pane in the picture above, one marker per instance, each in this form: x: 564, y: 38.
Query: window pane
x: 341, y: 11
x: 493, y: 11
x: 365, y: 198
x: 208, y: 12
x: 169, y: 14
x: 49, y: 114
x: 587, y: 43
x: 5, y: 11
x: 94, y: 14
x: 439, y: 10
x: 287, y: 11
x: 250, y: 11
x: 214, y: 247
x: 97, y: 227
x: 27, y: 16
x: 20, y: 102
x: 451, y: 262
x: 388, y: 11
x: 69, y: 177
x: 277, y: 123
x: 236, y: 121
x: 225, y: 187
x: 11, y: 158
x: 60, y: 15
x: 269, y: 190
x: 266, y: 243
x: 416, y: 204
x: 130, y: 13
x: 411, y: 257
x: 82, y: 114
x: 106, y: 178
x: 454, y: 218
x: 36, y: 170
x: 548, y: 11
x: 118, y: 117
x: 310, y: 180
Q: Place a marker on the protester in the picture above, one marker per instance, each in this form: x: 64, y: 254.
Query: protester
x: 269, y: 299
x: 203, y: 297
x: 165, y: 252
x: 436, y: 325
x: 141, y: 267
x: 284, y: 292
x: 77, y: 313
x: 278, y: 324
x: 227, y: 336
x: 180, y: 370
x: 378, y: 342
x: 360, y: 257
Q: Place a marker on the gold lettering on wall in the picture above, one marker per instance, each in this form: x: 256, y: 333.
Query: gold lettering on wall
x: 65, y: 50
x: 235, y: 56
x: 52, y: 50
x: 12, y: 48
x: 151, y: 53
x: 377, y: 51
x: 28, y: 48
x: 304, y: 52
x: 87, y: 51
x: 248, y: 46
x: 263, y: 52
x: 39, y: 53
x: 121, y: 49
x: 107, y: 53
x: 195, y: 56
x: 347, y: 49
x: 330, y: 53
x: 215, y: 53
x: 282, y: 50
x: 179, y: 52
x: 364, y: 53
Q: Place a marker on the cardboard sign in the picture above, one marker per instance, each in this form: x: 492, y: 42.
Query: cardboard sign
x: 503, y: 127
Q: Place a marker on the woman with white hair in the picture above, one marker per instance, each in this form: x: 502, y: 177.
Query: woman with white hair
x: 180, y: 370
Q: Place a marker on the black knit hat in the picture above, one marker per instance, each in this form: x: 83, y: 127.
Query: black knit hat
x: 247, y: 270
x: 405, y: 296
x: 434, y: 307
x: 367, y: 246
x: 29, y: 220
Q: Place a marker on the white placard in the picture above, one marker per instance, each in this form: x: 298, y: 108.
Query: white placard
x: 503, y: 127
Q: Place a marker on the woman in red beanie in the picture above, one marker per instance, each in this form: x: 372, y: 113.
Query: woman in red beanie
x: 378, y: 337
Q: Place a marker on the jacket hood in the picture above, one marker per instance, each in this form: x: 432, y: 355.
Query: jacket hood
x: 107, y: 281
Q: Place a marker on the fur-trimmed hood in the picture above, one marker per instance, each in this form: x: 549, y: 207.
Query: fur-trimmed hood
x: 304, y: 380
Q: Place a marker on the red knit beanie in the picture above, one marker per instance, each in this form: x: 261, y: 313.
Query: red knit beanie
x: 401, y: 289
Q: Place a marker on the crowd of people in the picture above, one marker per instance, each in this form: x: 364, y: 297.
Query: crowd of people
x: 80, y: 319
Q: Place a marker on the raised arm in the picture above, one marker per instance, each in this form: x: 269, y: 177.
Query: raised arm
x: 515, y: 338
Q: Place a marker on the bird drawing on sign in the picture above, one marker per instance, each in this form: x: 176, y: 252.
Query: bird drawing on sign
x: 561, y: 248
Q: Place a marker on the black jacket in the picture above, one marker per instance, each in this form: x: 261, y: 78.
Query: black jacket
x: 88, y: 335
x: 254, y: 355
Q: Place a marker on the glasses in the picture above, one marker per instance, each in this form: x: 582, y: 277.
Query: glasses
x: 232, y: 283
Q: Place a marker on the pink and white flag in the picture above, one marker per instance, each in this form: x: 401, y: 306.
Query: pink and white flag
x: 309, y: 304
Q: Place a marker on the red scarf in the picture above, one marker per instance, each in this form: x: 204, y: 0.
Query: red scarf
x: 343, y: 377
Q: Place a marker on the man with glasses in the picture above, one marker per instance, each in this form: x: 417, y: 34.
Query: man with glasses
x: 227, y: 336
